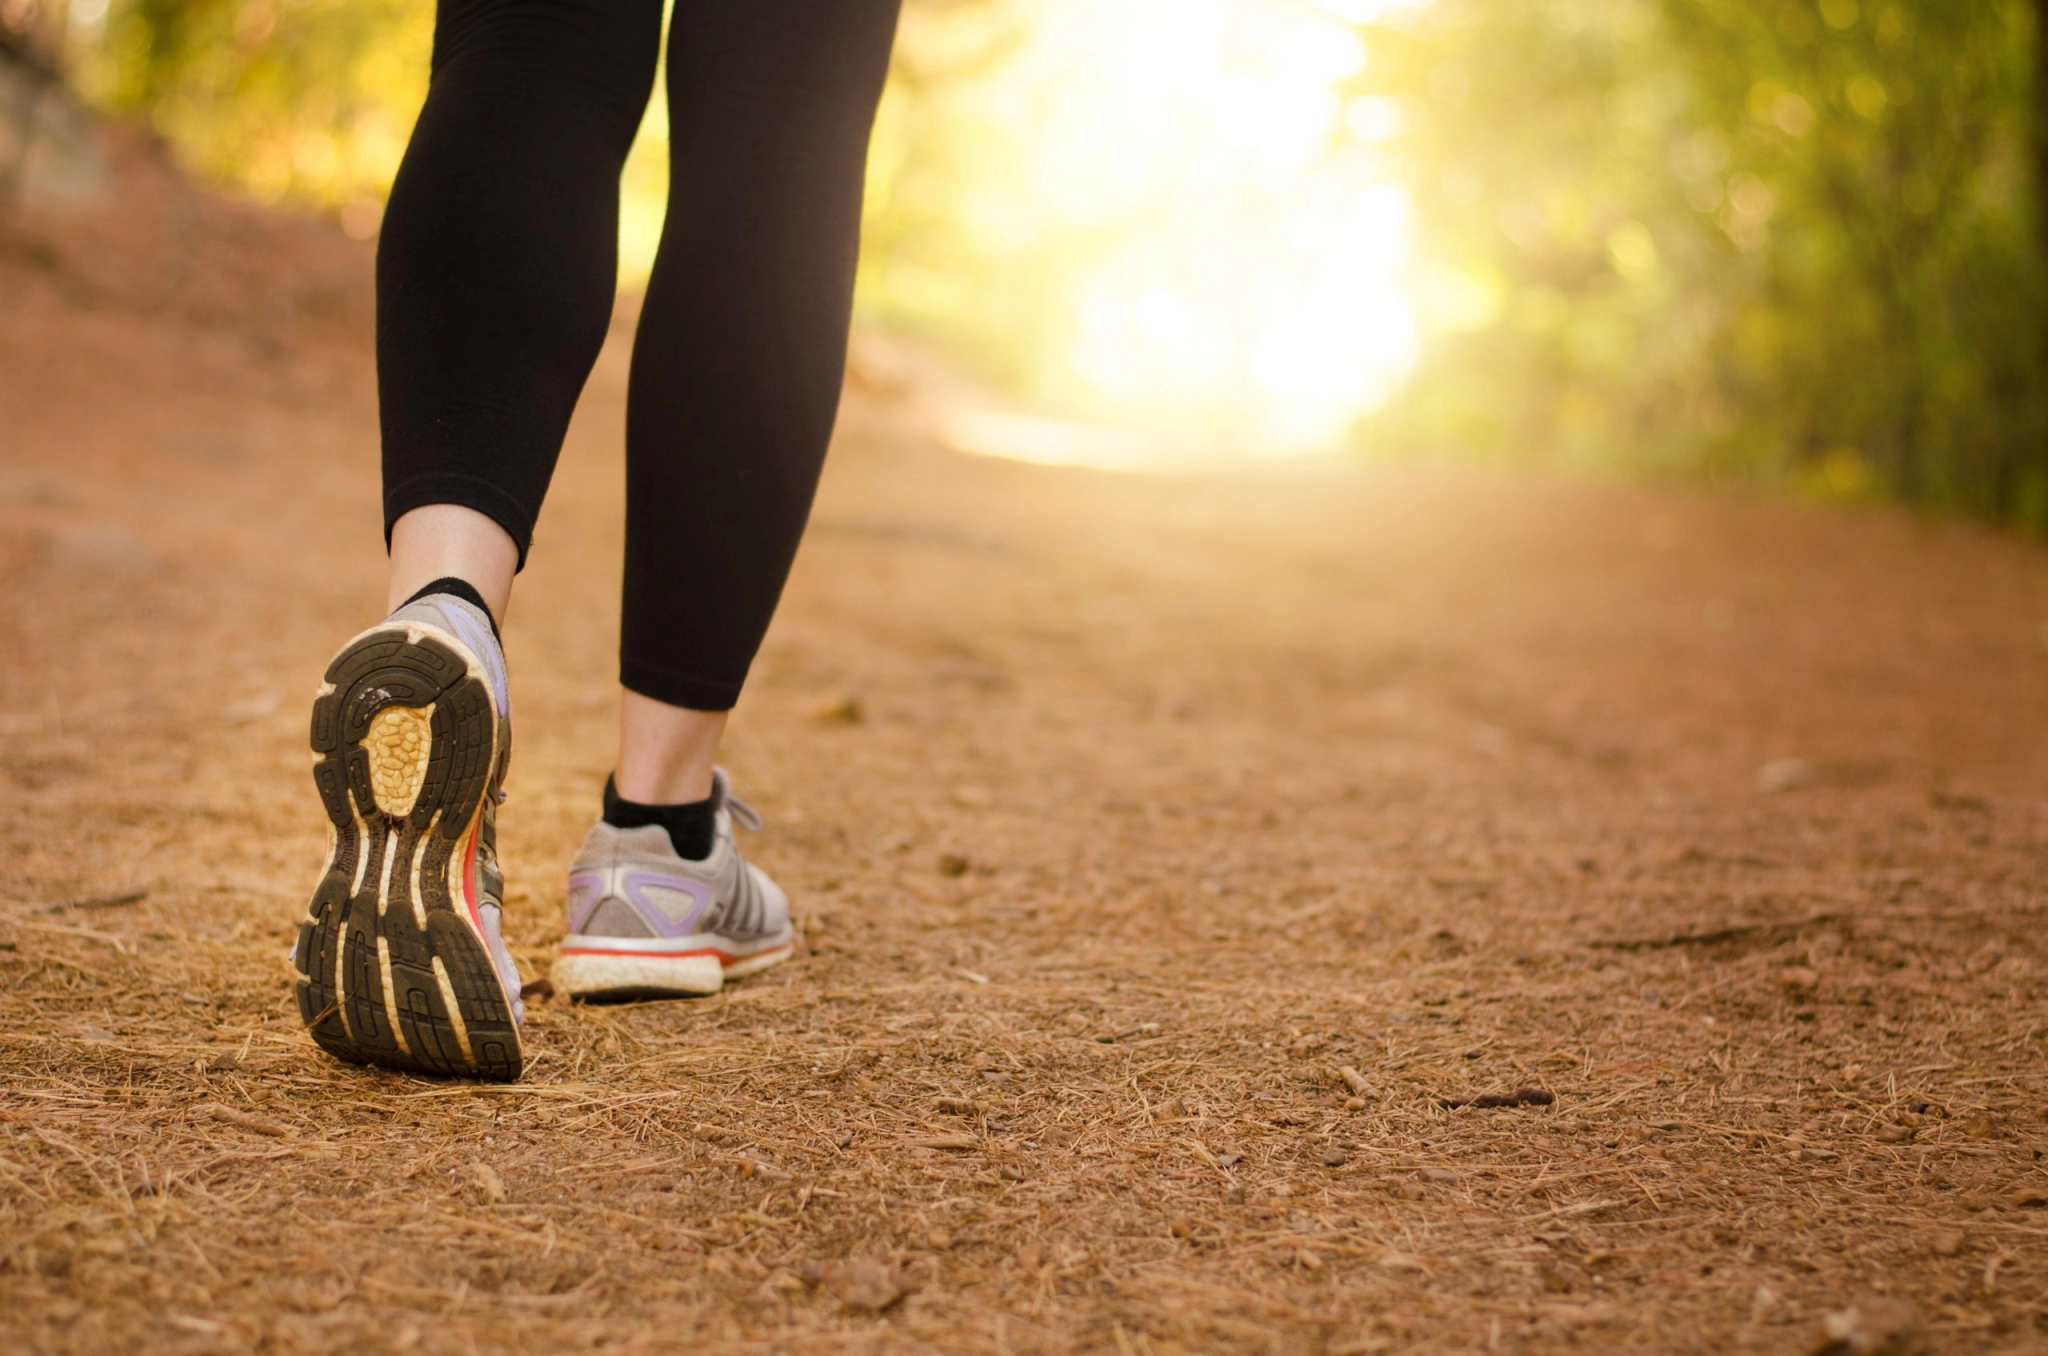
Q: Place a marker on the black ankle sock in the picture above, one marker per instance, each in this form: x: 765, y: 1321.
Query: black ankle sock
x: 692, y: 827
x: 459, y: 588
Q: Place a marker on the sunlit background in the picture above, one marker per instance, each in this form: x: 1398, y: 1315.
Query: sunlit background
x: 1165, y: 219
x: 1795, y: 242
x: 1178, y: 200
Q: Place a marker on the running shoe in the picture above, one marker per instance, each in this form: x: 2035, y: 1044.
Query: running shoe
x: 401, y: 960
x: 645, y: 922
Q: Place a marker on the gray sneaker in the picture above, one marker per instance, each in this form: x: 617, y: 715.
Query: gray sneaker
x: 646, y: 923
x: 400, y: 959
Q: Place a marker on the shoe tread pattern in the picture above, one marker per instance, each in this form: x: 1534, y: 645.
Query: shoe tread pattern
x: 413, y: 1029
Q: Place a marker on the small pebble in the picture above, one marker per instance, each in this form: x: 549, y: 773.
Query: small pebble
x: 1875, y: 1325
x: 845, y: 710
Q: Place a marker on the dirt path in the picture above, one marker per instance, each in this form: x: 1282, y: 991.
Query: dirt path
x: 1167, y: 799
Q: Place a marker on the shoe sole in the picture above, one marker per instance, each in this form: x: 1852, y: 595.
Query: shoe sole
x: 623, y: 974
x: 393, y: 968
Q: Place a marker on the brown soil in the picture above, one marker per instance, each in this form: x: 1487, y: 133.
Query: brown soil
x: 1122, y: 813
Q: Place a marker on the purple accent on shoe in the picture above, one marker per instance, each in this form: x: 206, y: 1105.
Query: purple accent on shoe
x: 580, y: 910
x: 656, y: 916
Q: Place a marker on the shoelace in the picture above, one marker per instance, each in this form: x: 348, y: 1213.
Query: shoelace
x: 743, y: 814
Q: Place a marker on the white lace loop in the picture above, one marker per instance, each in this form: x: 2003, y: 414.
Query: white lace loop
x: 743, y: 814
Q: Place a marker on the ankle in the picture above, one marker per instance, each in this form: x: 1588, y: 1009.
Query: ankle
x: 667, y: 754
x: 439, y: 541
x: 692, y: 825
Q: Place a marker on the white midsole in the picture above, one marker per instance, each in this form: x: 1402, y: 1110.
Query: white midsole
x: 601, y: 964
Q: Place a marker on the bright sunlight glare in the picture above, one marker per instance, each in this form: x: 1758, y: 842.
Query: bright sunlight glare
x: 1198, y: 221
x: 1248, y: 291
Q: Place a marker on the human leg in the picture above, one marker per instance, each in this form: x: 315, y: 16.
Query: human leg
x: 498, y: 261
x: 495, y: 279
x: 742, y: 341
x: 735, y: 385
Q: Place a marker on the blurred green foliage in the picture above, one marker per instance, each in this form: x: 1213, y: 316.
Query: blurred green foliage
x: 940, y: 163
x: 1795, y: 240
x: 306, y: 101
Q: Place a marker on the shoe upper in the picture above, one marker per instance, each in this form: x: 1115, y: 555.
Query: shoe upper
x: 633, y: 883
x: 489, y: 885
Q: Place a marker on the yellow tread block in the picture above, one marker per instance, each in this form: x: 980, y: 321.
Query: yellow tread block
x: 399, y: 741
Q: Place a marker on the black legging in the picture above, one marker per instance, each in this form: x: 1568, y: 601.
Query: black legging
x: 499, y: 260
